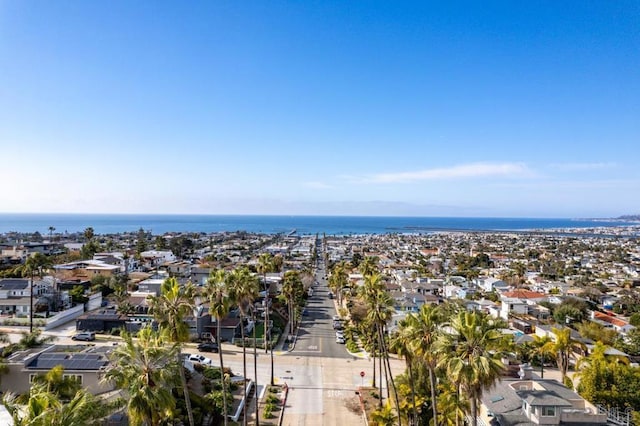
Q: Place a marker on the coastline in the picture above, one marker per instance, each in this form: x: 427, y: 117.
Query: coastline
x: 106, y: 224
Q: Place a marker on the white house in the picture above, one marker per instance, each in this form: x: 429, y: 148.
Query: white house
x: 512, y: 305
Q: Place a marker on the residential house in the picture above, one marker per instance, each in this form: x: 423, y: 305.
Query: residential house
x: 103, y: 321
x: 85, y: 364
x: 199, y: 274
x: 609, y: 321
x: 511, y: 306
x: 491, y: 284
x: 152, y: 259
x: 529, y: 401
x: 127, y: 264
x: 15, y: 295
x: 85, y: 270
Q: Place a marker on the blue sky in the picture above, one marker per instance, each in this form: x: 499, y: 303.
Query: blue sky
x: 527, y: 109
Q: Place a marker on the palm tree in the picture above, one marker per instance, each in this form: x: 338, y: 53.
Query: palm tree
x: 383, y: 416
x: 265, y: 264
x: 565, y: 348
x: 452, y: 404
x: 472, y: 355
x: 217, y: 292
x: 422, y: 330
x: 339, y: 280
x: 596, y: 373
x: 380, y: 312
x: 372, y: 285
x: 146, y: 370
x: 243, y: 292
x: 541, y: 349
x: 401, y: 344
x: 369, y: 266
x: 56, y: 382
x: 169, y: 310
x: 45, y: 408
x: 368, y: 336
x: 33, y: 340
x: 35, y: 265
x: 292, y: 290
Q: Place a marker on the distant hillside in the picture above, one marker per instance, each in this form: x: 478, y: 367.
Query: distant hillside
x: 629, y: 217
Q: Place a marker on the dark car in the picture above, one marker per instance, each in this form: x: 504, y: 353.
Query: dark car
x: 208, y: 347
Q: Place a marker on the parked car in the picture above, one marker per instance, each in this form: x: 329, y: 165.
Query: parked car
x: 340, y: 333
x: 87, y: 336
x: 341, y: 340
x: 199, y: 359
x: 208, y: 347
x: 337, y: 325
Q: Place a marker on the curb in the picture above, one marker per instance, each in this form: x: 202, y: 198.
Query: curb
x: 284, y: 404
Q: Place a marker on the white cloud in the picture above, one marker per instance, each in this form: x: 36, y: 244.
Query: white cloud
x: 474, y: 170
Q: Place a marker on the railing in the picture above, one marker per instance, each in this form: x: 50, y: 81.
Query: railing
x: 616, y: 416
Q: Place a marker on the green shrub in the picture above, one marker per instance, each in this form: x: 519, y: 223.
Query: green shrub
x: 274, y: 389
x: 352, y: 346
x: 268, y: 412
x: 272, y: 399
x: 211, y: 373
x: 269, y: 408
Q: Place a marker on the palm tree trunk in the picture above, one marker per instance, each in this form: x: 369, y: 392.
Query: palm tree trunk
x: 373, y: 382
x: 224, y: 389
x: 185, y: 389
x: 255, y: 369
x: 373, y: 357
x: 244, y: 371
x: 385, y: 353
x: 474, y: 409
x: 434, y: 392
x: 383, y: 363
x: 380, y: 374
x: 414, y: 420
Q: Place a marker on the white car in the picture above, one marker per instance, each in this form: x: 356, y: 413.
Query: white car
x: 200, y: 359
x: 340, y: 334
x: 340, y: 339
x: 87, y: 336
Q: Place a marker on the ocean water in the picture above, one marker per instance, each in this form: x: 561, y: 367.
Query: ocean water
x: 331, y: 225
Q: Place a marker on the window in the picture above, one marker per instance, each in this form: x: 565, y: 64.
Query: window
x: 77, y: 377
x: 548, y: 411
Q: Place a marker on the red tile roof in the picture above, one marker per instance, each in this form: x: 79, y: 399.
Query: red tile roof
x: 525, y: 294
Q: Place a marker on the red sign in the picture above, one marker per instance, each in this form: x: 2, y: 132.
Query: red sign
x: 362, y: 374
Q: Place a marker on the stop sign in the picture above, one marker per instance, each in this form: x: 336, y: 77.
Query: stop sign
x: 362, y: 374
